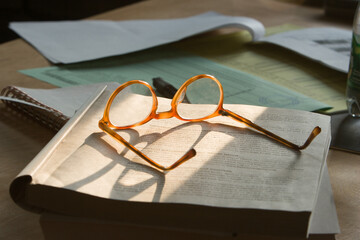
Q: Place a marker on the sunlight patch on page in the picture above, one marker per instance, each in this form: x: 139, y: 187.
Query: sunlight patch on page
x: 130, y: 181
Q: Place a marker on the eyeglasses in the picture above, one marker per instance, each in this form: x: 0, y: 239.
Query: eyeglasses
x: 137, y: 104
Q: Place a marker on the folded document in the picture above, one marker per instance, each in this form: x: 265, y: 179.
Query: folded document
x: 76, y: 41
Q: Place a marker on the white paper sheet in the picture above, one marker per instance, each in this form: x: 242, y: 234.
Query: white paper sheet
x: 75, y: 41
x: 65, y: 100
x: 330, y: 46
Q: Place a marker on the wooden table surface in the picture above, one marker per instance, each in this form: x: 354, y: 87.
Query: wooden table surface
x: 21, y: 139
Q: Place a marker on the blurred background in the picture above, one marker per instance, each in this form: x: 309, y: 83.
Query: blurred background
x: 39, y: 10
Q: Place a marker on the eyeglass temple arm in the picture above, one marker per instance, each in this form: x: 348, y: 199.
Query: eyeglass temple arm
x: 191, y: 153
x: 311, y: 137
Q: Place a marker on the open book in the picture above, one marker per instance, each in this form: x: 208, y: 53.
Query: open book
x: 240, y: 182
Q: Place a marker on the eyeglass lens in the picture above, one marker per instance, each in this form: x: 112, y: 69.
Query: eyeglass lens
x: 131, y: 105
x: 202, y: 91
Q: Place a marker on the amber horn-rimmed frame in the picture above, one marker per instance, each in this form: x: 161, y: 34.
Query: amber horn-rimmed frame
x: 106, y: 125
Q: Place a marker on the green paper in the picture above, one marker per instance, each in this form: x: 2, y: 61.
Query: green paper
x: 176, y: 67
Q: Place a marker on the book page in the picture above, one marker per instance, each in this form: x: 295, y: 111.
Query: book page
x: 235, y: 166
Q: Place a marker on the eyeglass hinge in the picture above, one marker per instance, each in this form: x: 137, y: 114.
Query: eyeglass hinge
x: 223, y: 113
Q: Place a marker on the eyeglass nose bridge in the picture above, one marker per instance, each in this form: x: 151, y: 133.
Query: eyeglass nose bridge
x: 164, y: 115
